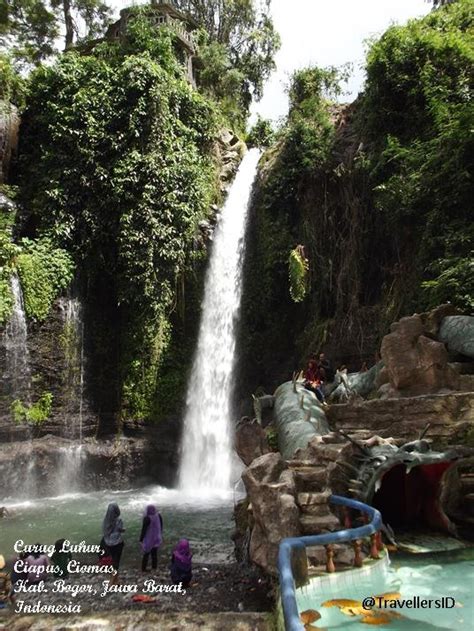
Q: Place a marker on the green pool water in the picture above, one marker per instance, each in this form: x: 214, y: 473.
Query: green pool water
x: 428, y: 576
x: 206, y: 522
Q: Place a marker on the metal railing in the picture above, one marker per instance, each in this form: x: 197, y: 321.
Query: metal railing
x: 293, y: 550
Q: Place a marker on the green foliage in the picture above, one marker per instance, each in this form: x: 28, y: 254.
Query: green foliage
x: 237, y: 45
x: 8, y: 252
x: 261, y: 134
x: 312, y: 86
x: 272, y: 438
x: 418, y: 114
x: 36, y: 414
x: 30, y: 28
x: 45, y: 271
x: 380, y: 193
x: 454, y: 282
x: 12, y: 84
x: 120, y: 175
x: 298, y: 267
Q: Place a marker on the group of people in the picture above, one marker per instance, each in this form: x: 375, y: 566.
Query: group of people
x: 151, y: 538
x: 111, y: 546
x: 317, y: 373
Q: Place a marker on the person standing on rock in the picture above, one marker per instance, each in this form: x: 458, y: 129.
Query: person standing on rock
x: 112, y: 533
x: 151, y: 536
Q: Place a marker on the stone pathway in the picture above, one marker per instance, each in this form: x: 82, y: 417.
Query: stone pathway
x: 218, y: 597
x: 144, y: 621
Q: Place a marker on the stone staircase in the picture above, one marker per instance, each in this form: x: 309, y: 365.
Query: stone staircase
x: 312, y: 497
x: 312, y: 489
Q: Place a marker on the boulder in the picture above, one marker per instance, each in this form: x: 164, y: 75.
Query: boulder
x: 433, y: 319
x: 271, y: 491
x: 457, y: 332
x: 250, y: 440
x: 415, y: 363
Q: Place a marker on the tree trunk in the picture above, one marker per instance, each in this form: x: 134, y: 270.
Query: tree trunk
x: 69, y: 23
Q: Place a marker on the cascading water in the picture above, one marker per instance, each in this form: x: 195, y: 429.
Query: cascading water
x: 75, y: 366
x: 17, y: 377
x: 206, y: 461
x: 71, y: 458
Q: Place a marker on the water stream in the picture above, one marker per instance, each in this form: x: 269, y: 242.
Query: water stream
x: 17, y: 376
x: 75, y: 366
x: 206, y: 462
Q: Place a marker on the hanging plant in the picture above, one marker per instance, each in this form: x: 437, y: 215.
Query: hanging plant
x: 298, y: 267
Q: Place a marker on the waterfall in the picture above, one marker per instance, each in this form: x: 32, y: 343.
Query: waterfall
x: 75, y: 366
x: 206, y: 459
x: 17, y: 359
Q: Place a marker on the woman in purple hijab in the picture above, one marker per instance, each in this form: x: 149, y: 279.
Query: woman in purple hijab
x: 181, y: 563
x: 151, y: 536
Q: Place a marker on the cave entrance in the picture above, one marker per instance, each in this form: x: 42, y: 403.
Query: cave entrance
x: 410, y: 501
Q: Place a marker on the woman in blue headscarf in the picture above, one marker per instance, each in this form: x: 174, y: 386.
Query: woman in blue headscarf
x: 112, y: 529
x: 151, y: 536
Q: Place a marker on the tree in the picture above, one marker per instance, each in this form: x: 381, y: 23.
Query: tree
x: 237, y: 47
x: 94, y: 14
x: 30, y: 28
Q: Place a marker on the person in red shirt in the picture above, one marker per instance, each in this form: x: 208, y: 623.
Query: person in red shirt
x: 313, y: 380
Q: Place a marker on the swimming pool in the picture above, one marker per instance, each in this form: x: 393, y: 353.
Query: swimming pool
x: 449, y: 574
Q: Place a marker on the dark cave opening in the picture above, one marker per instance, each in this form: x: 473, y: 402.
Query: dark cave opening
x: 411, y: 500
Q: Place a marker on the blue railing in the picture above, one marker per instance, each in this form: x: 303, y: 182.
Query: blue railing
x: 289, y: 548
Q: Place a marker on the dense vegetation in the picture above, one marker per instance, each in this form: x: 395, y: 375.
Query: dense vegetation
x: 116, y: 171
x: 378, y: 193
x: 418, y: 116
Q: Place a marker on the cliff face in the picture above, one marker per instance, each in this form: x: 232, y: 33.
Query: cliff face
x: 350, y: 299
x: 75, y: 354
x: 374, y: 195
x: 9, y: 123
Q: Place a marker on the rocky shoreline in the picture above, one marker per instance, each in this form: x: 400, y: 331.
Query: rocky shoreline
x: 215, y: 588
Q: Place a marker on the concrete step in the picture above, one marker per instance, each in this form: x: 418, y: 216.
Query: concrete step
x: 310, y: 479
x: 311, y: 502
x: 319, y: 524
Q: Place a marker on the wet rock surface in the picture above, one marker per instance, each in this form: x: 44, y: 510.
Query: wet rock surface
x: 250, y: 440
x: 96, y: 464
